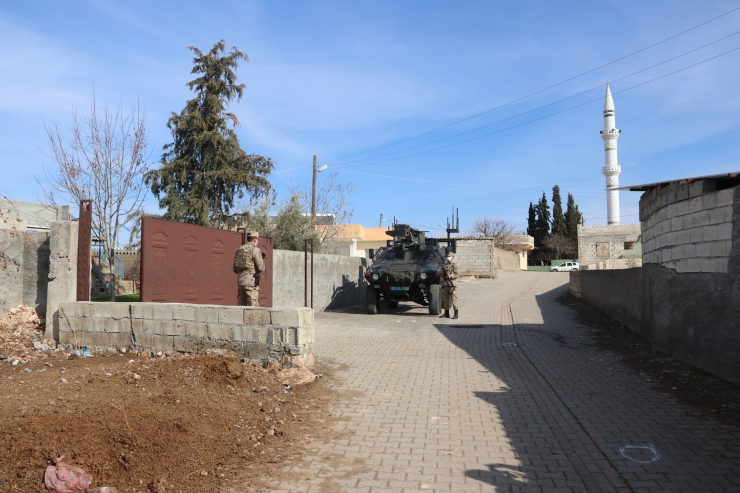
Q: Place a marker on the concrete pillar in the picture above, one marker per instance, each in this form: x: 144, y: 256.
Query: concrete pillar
x: 11, y: 269
x: 62, y: 272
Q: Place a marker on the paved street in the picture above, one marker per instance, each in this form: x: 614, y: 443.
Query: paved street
x: 507, y: 398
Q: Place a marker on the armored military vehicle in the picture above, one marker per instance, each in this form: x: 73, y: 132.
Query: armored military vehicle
x: 406, y: 269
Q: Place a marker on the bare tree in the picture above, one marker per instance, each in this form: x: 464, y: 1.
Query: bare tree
x: 498, y: 229
x: 332, y: 203
x: 104, y: 161
x: 559, y: 245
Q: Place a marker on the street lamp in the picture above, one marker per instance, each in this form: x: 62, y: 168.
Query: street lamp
x: 313, y: 188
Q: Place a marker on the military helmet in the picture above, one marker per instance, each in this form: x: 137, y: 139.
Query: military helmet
x: 253, y: 234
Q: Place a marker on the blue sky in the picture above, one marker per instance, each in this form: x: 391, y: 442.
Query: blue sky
x: 341, y: 78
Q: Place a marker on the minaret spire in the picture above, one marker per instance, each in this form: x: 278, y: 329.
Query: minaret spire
x: 611, y: 169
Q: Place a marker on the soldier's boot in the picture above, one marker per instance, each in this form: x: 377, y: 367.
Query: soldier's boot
x: 455, y: 316
x: 446, y: 314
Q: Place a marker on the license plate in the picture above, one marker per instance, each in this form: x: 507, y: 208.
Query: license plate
x: 399, y: 288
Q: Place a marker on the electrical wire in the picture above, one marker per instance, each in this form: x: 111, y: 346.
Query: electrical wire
x: 538, y: 91
x: 543, y: 117
x: 540, y: 107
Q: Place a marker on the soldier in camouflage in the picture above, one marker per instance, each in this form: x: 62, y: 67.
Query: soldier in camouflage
x: 248, y: 264
x: 449, y: 285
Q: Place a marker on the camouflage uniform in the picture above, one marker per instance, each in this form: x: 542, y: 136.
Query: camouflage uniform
x: 248, y: 262
x: 449, y: 285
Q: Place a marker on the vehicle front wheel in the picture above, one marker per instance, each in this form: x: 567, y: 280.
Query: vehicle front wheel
x: 575, y: 268
x: 371, y: 301
x: 435, y: 299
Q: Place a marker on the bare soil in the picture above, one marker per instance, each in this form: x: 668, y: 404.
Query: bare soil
x: 180, y: 423
x: 704, y: 393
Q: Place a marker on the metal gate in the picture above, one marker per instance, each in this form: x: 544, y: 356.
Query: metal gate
x: 184, y: 263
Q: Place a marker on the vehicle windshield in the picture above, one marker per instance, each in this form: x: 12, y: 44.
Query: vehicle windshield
x: 391, y: 254
x: 562, y: 265
x: 422, y: 254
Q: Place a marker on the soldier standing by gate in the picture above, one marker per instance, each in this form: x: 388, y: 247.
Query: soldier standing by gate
x: 248, y: 265
x: 449, y: 285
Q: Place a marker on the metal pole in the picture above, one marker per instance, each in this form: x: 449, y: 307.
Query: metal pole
x: 312, y: 274
x: 313, y: 192
x: 305, y: 273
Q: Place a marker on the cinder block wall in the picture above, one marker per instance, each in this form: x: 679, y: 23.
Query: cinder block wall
x: 338, y: 280
x: 257, y: 334
x: 687, y: 227
x: 475, y: 258
x: 615, y: 292
x: 597, y: 243
x: 691, y: 274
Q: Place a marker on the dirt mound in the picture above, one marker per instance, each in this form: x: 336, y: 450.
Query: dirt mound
x: 22, y: 334
x: 153, y: 424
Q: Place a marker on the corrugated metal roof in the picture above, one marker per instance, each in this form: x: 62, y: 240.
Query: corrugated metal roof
x: 649, y: 186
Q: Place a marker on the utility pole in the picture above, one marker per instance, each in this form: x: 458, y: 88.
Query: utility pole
x: 380, y: 224
x: 313, y: 192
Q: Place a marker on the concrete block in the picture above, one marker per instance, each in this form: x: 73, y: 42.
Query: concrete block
x: 161, y: 311
x: 256, y: 352
x: 190, y: 344
x: 182, y: 311
x: 231, y: 315
x: 703, y: 250
x: 695, y: 189
x: 682, y: 208
x: 282, y: 335
x: 694, y: 264
x: 702, y: 218
x: 104, y: 339
x: 709, y: 201
x: 66, y: 337
x: 120, y: 310
x: 682, y: 192
x: 728, y: 214
x: 677, y: 252
x: 683, y: 237
x: 687, y: 221
x: 305, y: 335
x: 221, y: 332
x: 707, y: 265
x: 157, y: 342
x: 710, y: 233
x: 285, y: 317
x: 672, y: 238
x: 137, y: 310
x: 251, y: 333
x: 724, y: 231
x: 256, y: 316
x: 696, y: 235
x: 676, y: 224
x: 305, y: 317
x: 682, y: 265
x: 725, y: 197
x: 666, y: 255
x: 101, y: 310
x: 207, y: 314
x: 721, y: 265
x: 671, y: 210
x: 689, y: 250
x: 84, y: 309
x: 154, y: 327
x: 718, y: 248
x: 194, y: 329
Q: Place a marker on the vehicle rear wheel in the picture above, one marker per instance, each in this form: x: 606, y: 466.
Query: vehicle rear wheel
x: 575, y: 268
x: 393, y: 304
x: 371, y: 301
x: 435, y: 299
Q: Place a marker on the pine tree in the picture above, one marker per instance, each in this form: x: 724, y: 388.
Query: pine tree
x: 543, y: 220
x: 573, y: 218
x: 531, y: 221
x: 204, y: 169
x: 558, y: 221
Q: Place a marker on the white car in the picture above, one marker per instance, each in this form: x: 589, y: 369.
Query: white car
x: 565, y: 266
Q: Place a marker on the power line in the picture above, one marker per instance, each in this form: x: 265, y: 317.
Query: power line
x: 539, y: 91
x: 543, y: 117
x: 543, y: 106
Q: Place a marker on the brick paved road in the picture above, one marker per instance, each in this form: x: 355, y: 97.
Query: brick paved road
x: 507, y: 398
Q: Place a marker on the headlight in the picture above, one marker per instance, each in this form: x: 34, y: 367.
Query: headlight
x: 423, y: 276
x: 375, y: 277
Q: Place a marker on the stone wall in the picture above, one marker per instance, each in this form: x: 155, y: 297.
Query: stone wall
x: 338, y: 282
x: 475, y: 257
x: 615, y: 292
x: 24, y: 269
x: 256, y: 334
x: 598, y: 243
x: 687, y: 227
x: 575, y: 283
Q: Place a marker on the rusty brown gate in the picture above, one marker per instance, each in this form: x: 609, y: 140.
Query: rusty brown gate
x: 184, y: 263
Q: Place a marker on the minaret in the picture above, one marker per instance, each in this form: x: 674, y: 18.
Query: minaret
x: 612, y: 169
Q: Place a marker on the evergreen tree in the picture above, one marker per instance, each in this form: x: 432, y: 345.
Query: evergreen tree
x: 531, y: 221
x: 558, y: 221
x: 543, y: 220
x: 204, y: 168
x: 573, y: 218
